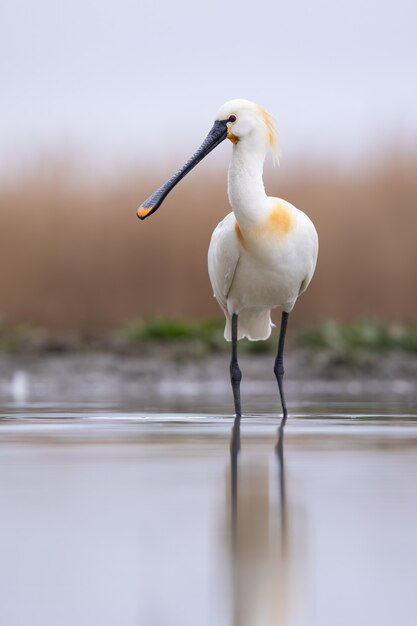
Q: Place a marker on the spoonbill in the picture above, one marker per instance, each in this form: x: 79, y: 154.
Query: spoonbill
x: 263, y: 254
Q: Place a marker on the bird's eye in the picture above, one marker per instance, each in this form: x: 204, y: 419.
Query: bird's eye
x: 232, y: 118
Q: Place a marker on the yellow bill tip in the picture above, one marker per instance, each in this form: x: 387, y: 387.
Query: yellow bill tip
x: 142, y: 212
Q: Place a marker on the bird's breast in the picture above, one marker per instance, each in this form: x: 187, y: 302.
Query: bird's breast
x: 280, y: 221
x: 272, y: 230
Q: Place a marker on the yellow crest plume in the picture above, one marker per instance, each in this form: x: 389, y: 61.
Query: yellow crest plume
x: 272, y: 133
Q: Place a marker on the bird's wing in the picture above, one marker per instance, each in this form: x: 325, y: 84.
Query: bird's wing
x: 223, y: 257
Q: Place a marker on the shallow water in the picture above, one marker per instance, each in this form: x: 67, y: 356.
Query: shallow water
x: 110, y: 516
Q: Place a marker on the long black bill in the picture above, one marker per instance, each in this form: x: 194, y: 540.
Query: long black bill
x: 217, y: 134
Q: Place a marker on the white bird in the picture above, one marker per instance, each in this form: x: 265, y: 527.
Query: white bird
x: 263, y: 254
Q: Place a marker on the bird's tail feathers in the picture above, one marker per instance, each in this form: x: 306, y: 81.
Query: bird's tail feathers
x: 255, y: 325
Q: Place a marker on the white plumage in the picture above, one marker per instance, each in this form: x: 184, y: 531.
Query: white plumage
x: 263, y: 254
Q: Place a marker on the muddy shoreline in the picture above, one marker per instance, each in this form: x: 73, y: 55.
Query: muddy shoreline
x: 166, y: 372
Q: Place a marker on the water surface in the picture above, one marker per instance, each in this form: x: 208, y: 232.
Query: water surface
x: 184, y: 517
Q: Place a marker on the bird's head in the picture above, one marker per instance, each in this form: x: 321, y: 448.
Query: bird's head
x: 249, y: 122
x: 241, y: 121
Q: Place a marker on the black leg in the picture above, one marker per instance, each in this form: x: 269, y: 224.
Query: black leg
x: 279, y: 365
x: 235, y: 373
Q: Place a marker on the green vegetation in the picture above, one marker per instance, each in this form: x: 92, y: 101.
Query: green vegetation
x: 208, y: 334
x: 366, y: 335
x: 161, y: 329
x: 341, y: 339
x: 343, y: 342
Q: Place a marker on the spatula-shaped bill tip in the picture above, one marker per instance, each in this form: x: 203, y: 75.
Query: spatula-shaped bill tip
x: 143, y: 212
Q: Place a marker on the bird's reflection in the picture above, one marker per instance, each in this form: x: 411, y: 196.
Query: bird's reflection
x: 279, y: 451
x: 234, y: 453
x: 260, y: 552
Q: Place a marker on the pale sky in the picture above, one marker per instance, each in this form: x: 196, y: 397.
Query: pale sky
x: 122, y: 81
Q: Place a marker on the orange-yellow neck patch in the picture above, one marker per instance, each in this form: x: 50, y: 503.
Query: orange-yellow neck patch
x: 280, y: 220
x: 279, y: 223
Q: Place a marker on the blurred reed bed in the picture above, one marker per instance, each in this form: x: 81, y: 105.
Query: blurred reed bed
x: 74, y: 257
